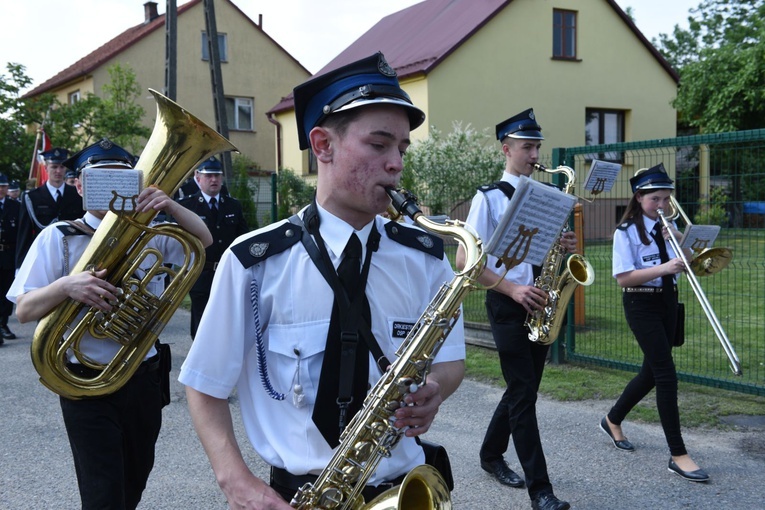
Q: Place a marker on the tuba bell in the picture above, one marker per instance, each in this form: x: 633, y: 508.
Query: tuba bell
x: 178, y: 143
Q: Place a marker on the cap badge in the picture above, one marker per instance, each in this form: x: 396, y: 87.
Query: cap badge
x: 258, y: 249
x: 531, y: 115
x: 56, y: 153
x: 426, y: 241
x: 384, y: 68
x: 105, y: 144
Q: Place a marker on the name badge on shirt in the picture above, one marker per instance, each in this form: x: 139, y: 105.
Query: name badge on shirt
x: 651, y: 258
x: 401, y: 329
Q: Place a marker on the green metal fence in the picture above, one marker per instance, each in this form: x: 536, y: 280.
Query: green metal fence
x: 719, y: 180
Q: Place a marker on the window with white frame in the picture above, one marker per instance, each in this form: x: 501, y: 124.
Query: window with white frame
x: 73, y: 97
x: 222, y: 47
x: 239, y: 113
x: 603, y: 127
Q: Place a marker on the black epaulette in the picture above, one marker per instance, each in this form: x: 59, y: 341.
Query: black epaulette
x: 625, y: 225
x: 71, y: 228
x: 503, y: 186
x: 258, y: 248
x: 415, y: 238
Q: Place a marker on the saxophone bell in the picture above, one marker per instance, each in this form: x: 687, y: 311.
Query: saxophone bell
x: 545, y: 324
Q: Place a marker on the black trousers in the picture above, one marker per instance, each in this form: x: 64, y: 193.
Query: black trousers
x: 653, y: 319
x: 522, y: 362
x: 200, y: 295
x: 112, y: 440
x: 6, y: 307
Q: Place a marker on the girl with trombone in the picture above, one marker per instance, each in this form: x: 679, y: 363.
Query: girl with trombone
x: 645, y: 266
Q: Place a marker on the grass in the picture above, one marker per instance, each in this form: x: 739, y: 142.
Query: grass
x: 700, y: 406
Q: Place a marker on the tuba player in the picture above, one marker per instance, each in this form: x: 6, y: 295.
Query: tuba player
x: 113, y: 436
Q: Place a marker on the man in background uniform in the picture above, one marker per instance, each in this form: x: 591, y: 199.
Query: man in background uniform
x: 14, y: 190
x: 9, y: 222
x: 51, y: 202
x: 223, y: 217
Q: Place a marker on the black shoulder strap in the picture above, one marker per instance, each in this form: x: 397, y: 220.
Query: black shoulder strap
x: 415, y: 238
x: 258, y: 248
x: 364, y: 328
x: 74, y: 228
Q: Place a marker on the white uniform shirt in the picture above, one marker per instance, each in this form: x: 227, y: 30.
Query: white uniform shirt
x: 45, y: 263
x: 485, y: 212
x: 286, y: 296
x: 629, y: 253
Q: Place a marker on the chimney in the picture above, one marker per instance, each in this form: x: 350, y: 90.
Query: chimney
x: 150, y: 11
x: 260, y: 21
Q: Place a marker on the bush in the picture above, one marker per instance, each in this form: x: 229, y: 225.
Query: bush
x: 712, y: 210
x: 293, y: 193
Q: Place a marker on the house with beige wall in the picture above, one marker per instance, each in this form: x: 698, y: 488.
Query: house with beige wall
x: 255, y: 72
x: 591, y: 76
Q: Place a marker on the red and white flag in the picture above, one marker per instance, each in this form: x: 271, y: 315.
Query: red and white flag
x: 38, y: 170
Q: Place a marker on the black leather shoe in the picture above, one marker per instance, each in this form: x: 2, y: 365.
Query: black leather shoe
x: 6, y: 333
x: 548, y: 501
x: 620, y: 445
x: 694, y: 476
x: 503, y: 473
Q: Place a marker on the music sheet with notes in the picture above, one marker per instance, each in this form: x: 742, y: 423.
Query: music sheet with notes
x: 99, y: 185
x: 601, y: 177
x: 699, y: 237
x: 531, y: 223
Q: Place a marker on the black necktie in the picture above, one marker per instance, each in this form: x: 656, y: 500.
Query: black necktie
x: 214, y: 210
x: 668, y: 280
x: 333, y: 410
x: 58, y: 195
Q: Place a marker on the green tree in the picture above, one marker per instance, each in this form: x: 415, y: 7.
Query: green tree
x: 293, y: 193
x: 444, y: 171
x: 16, y: 142
x: 244, y: 189
x: 720, y: 58
x: 115, y: 116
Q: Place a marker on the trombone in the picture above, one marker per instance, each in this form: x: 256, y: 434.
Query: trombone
x: 705, y: 261
x: 735, y: 364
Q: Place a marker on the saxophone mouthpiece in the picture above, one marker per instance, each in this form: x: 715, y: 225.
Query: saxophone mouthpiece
x: 404, y: 202
x: 539, y: 167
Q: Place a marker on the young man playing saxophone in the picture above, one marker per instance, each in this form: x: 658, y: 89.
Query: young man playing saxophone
x: 522, y: 361
x: 272, y: 324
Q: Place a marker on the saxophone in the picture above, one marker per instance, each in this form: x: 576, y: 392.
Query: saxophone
x: 370, y: 435
x: 545, y: 324
x: 178, y: 143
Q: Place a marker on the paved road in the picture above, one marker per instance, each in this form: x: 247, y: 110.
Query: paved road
x: 36, y: 470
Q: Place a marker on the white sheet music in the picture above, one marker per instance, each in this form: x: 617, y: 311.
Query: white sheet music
x: 699, y: 237
x: 98, y: 184
x: 602, y: 176
x: 531, y: 223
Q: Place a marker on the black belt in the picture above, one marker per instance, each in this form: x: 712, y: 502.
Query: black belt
x: 284, y: 478
x: 211, y: 266
x: 646, y: 290
x: 149, y: 365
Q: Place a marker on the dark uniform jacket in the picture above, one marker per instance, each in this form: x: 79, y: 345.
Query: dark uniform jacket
x: 9, y: 225
x: 230, y: 224
x: 45, y: 211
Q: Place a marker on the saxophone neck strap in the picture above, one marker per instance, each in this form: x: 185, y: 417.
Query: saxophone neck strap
x: 325, y: 268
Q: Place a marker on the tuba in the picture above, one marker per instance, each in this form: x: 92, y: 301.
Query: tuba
x: 178, y: 143
x: 545, y: 324
x: 370, y: 436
